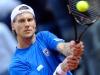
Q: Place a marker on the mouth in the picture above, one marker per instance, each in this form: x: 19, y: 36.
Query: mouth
x: 27, y: 30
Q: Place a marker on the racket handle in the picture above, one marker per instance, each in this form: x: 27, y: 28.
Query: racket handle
x: 77, y: 41
x: 81, y: 35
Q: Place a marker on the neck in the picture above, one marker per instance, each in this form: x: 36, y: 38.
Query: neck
x: 25, y: 42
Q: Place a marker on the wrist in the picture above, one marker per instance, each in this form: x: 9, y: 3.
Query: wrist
x: 64, y: 67
x: 59, y: 70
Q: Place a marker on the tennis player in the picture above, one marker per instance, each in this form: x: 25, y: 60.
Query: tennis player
x: 37, y: 54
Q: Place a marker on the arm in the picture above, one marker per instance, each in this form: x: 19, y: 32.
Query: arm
x: 69, y: 48
x: 64, y: 48
x: 71, y: 62
x: 64, y: 68
x: 54, y: 43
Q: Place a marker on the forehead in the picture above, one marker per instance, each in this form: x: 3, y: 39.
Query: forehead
x: 24, y: 15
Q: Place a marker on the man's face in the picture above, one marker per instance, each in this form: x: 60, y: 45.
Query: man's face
x: 24, y: 25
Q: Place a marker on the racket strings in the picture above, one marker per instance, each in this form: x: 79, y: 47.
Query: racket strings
x: 88, y: 16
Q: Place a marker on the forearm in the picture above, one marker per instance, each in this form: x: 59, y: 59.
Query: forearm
x: 71, y: 48
x: 69, y: 63
x: 64, y: 48
x: 73, y: 51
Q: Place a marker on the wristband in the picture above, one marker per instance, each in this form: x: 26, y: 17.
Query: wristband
x: 59, y: 71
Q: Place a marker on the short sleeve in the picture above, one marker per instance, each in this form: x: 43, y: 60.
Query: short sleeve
x: 50, y: 39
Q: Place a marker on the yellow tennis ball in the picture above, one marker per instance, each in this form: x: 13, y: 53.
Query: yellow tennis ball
x: 82, y: 6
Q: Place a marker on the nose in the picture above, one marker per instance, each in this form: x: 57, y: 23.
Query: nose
x: 27, y: 23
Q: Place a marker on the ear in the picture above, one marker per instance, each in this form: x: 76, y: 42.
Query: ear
x: 12, y: 25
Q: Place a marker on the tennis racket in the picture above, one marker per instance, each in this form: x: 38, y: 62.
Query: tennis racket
x: 86, y: 19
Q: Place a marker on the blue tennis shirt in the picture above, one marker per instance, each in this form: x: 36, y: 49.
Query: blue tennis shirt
x: 40, y: 58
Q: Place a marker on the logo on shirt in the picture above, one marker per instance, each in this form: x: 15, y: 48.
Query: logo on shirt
x: 46, y: 52
x: 40, y: 67
x: 57, y: 39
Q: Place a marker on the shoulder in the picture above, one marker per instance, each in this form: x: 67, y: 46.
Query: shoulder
x: 43, y: 33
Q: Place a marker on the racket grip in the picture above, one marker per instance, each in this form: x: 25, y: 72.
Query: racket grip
x: 77, y: 41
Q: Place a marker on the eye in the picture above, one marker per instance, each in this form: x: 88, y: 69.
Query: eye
x: 21, y: 21
x: 30, y: 19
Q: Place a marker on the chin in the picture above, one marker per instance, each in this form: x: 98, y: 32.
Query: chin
x: 28, y: 35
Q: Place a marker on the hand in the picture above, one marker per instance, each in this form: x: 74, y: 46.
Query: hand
x: 77, y: 48
x: 70, y: 63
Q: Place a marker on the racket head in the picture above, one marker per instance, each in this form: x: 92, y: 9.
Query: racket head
x: 85, y: 18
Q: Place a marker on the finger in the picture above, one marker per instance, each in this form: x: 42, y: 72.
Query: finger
x: 73, y: 58
x: 78, y: 53
x: 77, y: 47
x: 72, y: 42
x: 72, y: 66
x: 81, y: 45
